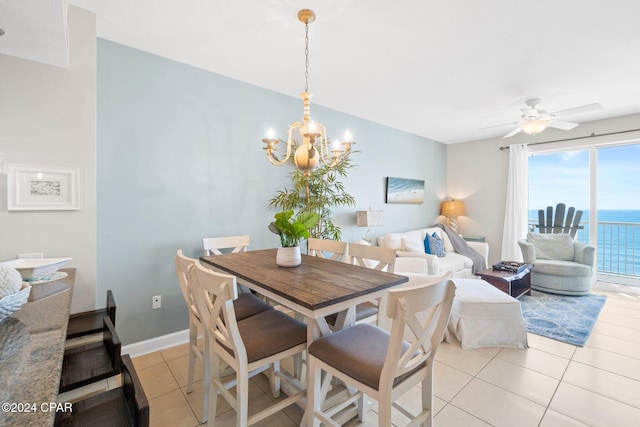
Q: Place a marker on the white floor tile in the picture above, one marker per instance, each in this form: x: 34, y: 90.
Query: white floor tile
x: 603, y: 382
x: 614, y: 345
x: 536, y: 360
x: 612, y: 362
x: 521, y: 381
x: 448, y: 381
x: 556, y: 419
x: 451, y: 416
x: 549, y: 345
x: 497, y: 406
x: 593, y: 409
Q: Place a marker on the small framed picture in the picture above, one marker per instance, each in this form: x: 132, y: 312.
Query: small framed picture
x: 403, y: 190
x: 42, y: 188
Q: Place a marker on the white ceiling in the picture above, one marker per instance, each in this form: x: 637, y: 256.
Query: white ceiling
x: 440, y: 70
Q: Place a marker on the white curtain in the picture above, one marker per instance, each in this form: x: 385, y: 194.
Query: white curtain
x: 517, y: 203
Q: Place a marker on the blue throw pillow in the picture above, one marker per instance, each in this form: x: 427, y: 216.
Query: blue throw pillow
x: 434, y: 245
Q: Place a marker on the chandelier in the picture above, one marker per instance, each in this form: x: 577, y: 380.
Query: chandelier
x: 314, y: 146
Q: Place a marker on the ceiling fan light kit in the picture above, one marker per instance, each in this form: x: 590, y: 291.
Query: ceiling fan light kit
x: 534, y: 120
x: 534, y: 127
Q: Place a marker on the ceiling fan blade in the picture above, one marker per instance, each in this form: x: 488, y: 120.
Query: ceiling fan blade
x: 578, y: 110
x: 499, y: 126
x: 513, y: 132
x: 559, y: 124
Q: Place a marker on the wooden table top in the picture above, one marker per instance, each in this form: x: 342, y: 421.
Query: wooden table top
x: 314, y: 284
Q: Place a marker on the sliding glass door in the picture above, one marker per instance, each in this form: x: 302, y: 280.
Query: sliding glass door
x: 603, y: 183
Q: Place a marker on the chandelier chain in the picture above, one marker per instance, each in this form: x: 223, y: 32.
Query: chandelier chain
x: 306, y: 57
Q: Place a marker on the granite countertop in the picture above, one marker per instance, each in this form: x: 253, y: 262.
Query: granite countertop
x: 31, y: 351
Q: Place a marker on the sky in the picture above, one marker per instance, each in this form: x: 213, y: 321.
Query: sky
x: 564, y: 177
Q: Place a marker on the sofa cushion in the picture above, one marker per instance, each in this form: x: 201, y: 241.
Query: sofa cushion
x: 434, y: 245
x: 413, y: 246
x: 394, y: 240
x: 552, y: 246
x: 453, y: 262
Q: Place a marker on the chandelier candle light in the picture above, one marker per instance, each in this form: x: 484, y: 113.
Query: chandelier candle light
x: 308, y: 154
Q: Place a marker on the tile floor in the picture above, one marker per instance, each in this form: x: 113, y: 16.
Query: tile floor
x: 548, y: 385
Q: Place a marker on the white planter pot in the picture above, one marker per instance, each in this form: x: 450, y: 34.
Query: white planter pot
x: 288, y: 257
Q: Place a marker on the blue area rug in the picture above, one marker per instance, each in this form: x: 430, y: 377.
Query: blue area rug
x: 568, y: 319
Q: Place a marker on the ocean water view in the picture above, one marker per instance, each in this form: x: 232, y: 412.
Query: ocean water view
x: 618, y: 247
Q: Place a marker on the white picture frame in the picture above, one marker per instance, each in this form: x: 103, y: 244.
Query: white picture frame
x: 42, y: 188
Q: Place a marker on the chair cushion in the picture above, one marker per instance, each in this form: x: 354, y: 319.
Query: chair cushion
x: 269, y: 333
x: 359, y: 352
x: 562, y: 268
x: 552, y: 246
x: 248, y: 305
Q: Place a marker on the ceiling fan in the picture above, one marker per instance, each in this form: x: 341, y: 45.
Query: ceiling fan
x: 534, y: 120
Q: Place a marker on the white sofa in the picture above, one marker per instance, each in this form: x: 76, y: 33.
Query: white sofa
x: 411, y: 244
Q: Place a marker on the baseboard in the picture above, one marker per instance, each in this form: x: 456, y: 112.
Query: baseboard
x: 156, y: 344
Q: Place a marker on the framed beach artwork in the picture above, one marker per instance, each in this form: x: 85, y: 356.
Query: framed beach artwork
x: 403, y: 190
x: 42, y: 188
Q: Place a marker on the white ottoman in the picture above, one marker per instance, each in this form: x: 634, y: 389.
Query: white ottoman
x: 484, y: 316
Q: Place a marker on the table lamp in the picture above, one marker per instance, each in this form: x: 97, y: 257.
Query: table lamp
x: 369, y: 219
x: 452, y: 210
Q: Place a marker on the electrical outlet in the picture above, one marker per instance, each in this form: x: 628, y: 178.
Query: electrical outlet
x: 156, y: 302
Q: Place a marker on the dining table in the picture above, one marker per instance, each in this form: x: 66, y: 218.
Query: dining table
x: 316, y: 288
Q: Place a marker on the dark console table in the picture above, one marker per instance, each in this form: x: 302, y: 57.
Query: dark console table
x: 510, y: 283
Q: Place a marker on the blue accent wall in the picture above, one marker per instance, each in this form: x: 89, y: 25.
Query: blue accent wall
x: 179, y: 158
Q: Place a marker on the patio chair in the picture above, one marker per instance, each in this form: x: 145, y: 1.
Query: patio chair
x: 559, y: 223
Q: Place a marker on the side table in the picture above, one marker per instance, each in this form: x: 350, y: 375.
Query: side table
x: 510, y: 283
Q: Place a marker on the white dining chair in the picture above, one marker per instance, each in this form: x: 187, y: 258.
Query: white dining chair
x: 328, y: 249
x: 246, y: 306
x: 232, y: 244
x: 249, y: 347
x: 374, y: 257
x: 381, y: 364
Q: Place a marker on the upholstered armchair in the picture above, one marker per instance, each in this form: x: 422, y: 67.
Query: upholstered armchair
x: 562, y: 265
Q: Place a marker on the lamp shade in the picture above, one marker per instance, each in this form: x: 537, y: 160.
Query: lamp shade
x: 453, y: 209
x: 533, y: 127
x: 369, y: 218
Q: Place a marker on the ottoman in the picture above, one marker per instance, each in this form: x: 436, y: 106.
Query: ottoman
x: 484, y: 316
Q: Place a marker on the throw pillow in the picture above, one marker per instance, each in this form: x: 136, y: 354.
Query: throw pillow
x: 552, y: 246
x: 434, y: 245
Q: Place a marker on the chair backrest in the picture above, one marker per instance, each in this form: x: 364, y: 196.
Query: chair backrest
x: 375, y: 257
x: 407, y: 307
x: 184, y: 266
x: 214, y: 245
x: 559, y: 223
x: 329, y: 249
x: 214, y: 294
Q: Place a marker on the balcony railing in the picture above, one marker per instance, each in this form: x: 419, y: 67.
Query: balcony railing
x: 618, y: 249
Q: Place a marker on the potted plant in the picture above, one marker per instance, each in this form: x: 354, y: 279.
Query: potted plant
x: 291, y: 230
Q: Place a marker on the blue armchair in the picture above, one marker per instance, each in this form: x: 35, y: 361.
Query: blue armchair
x: 562, y: 265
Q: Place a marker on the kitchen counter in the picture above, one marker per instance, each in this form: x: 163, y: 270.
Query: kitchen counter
x: 31, y: 350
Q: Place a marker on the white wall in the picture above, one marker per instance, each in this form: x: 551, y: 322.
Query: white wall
x: 48, y: 117
x: 477, y: 172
